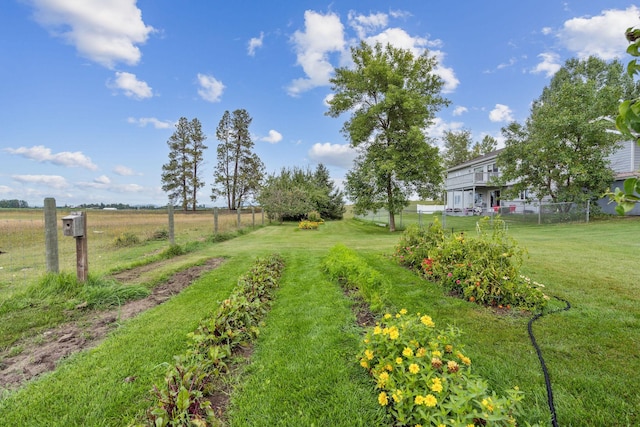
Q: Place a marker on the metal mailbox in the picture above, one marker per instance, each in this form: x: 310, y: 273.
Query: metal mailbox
x: 73, y: 225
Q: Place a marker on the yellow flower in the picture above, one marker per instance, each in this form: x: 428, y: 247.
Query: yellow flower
x: 421, y: 352
x: 383, y: 378
x: 403, y: 311
x: 418, y: 425
x: 369, y: 354
x: 471, y: 425
x: 377, y: 330
x: 414, y: 369
x: 448, y: 348
x: 385, y: 331
x: 364, y: 363
x: 436, y: 353
x: 393, y: 333
x: 430, y: 400
x: 427, y: 321
x: 436, y: 386
x: 452, y: 366
x: 388, y: 367
x: 387, y: 316
x: 407, y: 352
x: 487, y: 403
x: 397, y: 396
x: 383, y: 400
x: 398, y: 316
x: 436, y: 363
x: 399, y: 360
x: 419, y: 400
x: 466, y: 361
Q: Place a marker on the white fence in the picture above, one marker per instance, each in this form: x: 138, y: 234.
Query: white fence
x: 429, y: 209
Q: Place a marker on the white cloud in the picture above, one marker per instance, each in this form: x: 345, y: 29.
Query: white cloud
x: 273, y: 138
x: 322, y: 34
x: 439, y: 127
x: 5, y: 190
x: 600, y: 35
x: 144, y: 121
x: 399, y: 38
x: 501, y: 113
x: 105, y: 31
x: 124, y: 171
x: 254, y: 43
x: 510, y: 63
x: 102, y: 179
x: 365, y: 24
x: 42, y: 154
x: 547, y: 30
x: 460, y: 110
x: 550, y: 64
x: 53, y: 181
x: 211, y: 89
x: 131, y: 86
x: 341, y: 155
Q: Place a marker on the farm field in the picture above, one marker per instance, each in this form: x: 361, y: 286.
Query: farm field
x: 304, y: 370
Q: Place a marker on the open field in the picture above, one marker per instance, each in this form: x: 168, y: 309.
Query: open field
x: 23, y: 249
x: 304, y: 370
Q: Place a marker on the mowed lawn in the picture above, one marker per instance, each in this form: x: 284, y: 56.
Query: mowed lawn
x: 303, y: 370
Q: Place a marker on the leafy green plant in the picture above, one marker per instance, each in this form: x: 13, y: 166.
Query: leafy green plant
x: 162, y: 234
x: 353, y: 272
x: 314, y: 216
x: 424, y: 378
x: 483, y: 268
x: 183, y: 399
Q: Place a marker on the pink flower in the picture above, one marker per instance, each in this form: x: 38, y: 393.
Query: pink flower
x: 457, y: 282
x: 450, y: 274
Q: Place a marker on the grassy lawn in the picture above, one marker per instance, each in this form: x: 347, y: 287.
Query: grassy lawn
x: 303, y: 370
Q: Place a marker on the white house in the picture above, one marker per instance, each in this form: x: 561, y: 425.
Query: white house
x: 470, y: 187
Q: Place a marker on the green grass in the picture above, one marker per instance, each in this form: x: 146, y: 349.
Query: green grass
x: 303, y: 369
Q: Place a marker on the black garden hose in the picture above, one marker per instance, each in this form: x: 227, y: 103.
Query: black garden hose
x: 547, y: 380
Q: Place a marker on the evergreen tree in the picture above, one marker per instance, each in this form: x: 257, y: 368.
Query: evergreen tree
x: 239, y: 171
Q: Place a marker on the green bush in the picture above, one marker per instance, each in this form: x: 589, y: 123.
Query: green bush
x: 425, y: 379
x: 126, y: 239
x: 483, y: 268
x: 353, y: 272
x: 314, y: 216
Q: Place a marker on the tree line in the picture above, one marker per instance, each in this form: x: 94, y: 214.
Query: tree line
x: 392, y: 96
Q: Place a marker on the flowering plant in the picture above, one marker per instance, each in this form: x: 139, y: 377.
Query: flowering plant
x: 483, y: 268
x: 424, y: 378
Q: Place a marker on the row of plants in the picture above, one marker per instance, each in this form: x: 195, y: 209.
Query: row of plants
x: 356, y: 275
x: 484, y: 268
x: 184, y: 397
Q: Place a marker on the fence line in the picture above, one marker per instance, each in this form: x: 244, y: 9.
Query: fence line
x: 114, y: 238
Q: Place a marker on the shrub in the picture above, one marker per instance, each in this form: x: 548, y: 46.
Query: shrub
x: 424, y: 378
x: 308, y: 225
x: 162, y: 234
x: 126, y: 239
x: 483, y: 269
x: 314, y: 216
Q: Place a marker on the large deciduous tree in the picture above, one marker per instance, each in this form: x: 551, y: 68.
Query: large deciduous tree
x: 561, y: 150
x: 239, y: 171
x: 181, y: 175
x: 392, y: 96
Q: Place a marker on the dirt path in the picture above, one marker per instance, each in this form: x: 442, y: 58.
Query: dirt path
x: 40, y: 354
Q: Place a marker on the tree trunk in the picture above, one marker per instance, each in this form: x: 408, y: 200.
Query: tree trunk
x: 392, y: 222
x: 392, y: 219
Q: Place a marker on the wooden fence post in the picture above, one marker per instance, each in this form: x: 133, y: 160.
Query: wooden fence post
x: 215, y: 220
x: 172, y: 236
x: 51, y: 235
x: 82, y: 255
x: 253, y: 217
x: 239, y: 221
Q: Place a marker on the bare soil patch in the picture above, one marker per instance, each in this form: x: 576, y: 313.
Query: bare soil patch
x: 40, y: 354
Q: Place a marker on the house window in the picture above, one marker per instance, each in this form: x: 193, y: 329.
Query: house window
x: 478, y: 175
x: 524, y: 195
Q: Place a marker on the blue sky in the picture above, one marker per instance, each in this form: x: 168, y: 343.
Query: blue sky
x: 91, y: 90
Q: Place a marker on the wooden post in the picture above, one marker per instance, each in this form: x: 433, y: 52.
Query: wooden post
x: 172, y: 237
x: 253, y: 217
x: 262, y: 211
x: 239, y: 222
x: 82, y: 256
x: 51, y: 235
x: 215, y: 220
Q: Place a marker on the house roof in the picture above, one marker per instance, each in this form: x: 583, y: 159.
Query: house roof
x: 478, y: 159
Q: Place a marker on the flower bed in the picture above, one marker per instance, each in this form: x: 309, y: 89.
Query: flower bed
x: 483, y: 268
x: 425, y: 379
